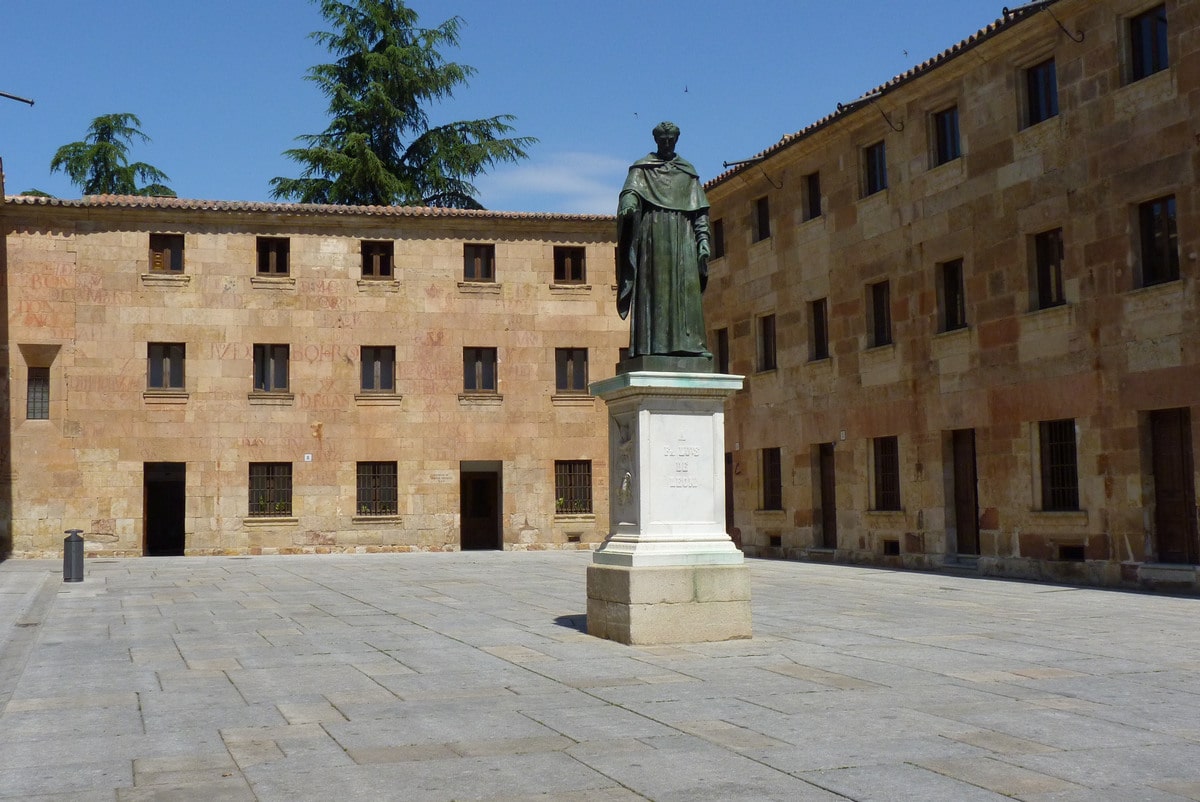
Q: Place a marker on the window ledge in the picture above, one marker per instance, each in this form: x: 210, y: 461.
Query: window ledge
x: 570, y: 289
x: 1063, y: 518
x: 574, y: 517
x: 166, y: 279
x: 480, y: 399
x: 766, y: 371
x: 480, y: 287
x: 269, y: 520
x: 377, y: 399
x: 165, y: 396
x: 272, y: 399
x: 572, y: 400
x: 377, y: 519
x: 770, y: 514
x: 273, y: 282
x: 950, y: 334
x: 883, y: 515
x: 379, y: 284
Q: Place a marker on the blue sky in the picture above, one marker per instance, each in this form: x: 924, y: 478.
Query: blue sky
x: 219, y: 84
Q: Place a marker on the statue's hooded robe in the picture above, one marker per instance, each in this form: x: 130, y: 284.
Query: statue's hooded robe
x: 659, y: 274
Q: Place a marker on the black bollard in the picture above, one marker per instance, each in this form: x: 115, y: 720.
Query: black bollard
x: 73, y: 556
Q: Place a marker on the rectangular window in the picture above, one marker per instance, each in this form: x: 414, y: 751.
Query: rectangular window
x: 166, y: 253
x: 377, y: 259
x: 887, y: 472
x: 721, y: 356
x: 1160, y: 241
x: 165, y: 368
x: 569, y: 267
x: 812, y: 196
x: 37, y: 398
x: 273, y: 256
x: 571, y: 370
x: 766, y: 343
x: 1041, y: 92
x: 573, y: 487
x: 954, y: 302
x: 1048, y: 262
x: 946, y: 146
x: 881, y: 314
x: 1148, y: 42
x: 479, y: 370
x: 874, y: 168
x: 376, y: 493
x: 819, y: 333
x: 270, y: 489
x: 772, y: 479
x: 378, y: 368
x: 1060, y: 473
x: 762, y: 219
x: 718, y: 239
x: 479, y: 262
x: 270, y: 368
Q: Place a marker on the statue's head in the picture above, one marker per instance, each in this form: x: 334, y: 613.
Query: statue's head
x: 666, y: 134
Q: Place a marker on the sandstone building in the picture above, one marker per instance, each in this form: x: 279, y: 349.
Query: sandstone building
x: 966, y: 305
x: 192, y: 377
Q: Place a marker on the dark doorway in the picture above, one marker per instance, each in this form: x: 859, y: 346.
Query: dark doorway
x: 966, y: 492
x: 163, y: 498
x: 479, y: 505
x: 729, y: 493
x: 1174, y: 487
x: 827, y: 502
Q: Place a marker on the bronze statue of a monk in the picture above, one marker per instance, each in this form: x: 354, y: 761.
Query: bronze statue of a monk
x: 662, y: 252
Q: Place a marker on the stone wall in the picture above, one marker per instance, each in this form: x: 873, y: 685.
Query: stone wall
x: 85, y: 303
x: 1118, y: 349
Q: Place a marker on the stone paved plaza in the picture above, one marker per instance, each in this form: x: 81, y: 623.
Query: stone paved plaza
x: 467, y: 676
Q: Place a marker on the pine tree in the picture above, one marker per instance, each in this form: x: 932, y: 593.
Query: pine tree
x: 99, y: 165
x: 379, y: 148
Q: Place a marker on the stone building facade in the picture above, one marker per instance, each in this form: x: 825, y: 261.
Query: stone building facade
x: 191, y: 377
x: 966, y: 305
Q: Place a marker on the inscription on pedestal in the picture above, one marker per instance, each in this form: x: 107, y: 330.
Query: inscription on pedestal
x: 681, y: 458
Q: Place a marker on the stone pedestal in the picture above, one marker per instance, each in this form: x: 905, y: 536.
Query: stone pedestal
x: 668, y: 572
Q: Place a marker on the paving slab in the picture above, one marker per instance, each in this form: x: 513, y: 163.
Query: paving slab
x: 468, y: 676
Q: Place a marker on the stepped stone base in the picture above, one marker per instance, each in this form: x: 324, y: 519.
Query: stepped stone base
x: 646, y: 605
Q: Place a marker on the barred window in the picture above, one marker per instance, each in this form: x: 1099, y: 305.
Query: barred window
x: 1041, y: 92
x: 772, y: 479
x: 887, y: 472
x: 573, y: 487
x: 1148, y: 42
x: 37, y: 400
x: 954, y: 301
x: 946, y: 143
x: 874, y: 168
x: 819, y: 344
x: 270, y: 489
x: 766, y: 343
x: 376, y: 488
x: 1060, y: 468
x: 1160, y: 241
x: 880, y: 324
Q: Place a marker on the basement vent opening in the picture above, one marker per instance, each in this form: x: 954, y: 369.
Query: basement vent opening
x: 1071, y: 553
x: 776, y: 541
x: 891, y: 548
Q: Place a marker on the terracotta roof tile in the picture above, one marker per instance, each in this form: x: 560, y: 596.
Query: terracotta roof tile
x: 188, y: 204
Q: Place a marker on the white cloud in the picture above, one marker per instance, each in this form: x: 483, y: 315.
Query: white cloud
x: 581, y: 183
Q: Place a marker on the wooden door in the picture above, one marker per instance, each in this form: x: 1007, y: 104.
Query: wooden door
x: 1174, y: 486
x: 966, y: 492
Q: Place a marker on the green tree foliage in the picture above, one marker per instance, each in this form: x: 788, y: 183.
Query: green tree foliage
x: 379, y: 148
x: 99, y: 165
